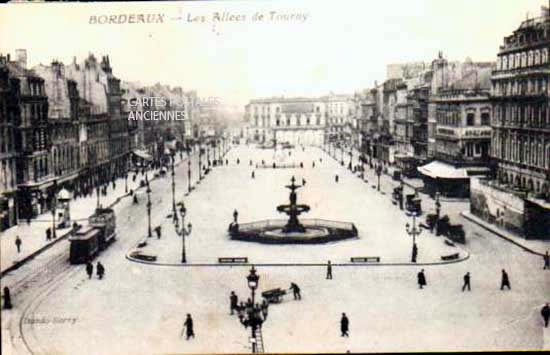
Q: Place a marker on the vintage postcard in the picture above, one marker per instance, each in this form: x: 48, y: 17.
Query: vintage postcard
x: 274, y: 176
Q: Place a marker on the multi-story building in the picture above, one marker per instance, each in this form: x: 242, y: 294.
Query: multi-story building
x: 29, y: 113
x: 519, y: 198
x: 293, y: 120
x: 521, y: 97
x: 63, y: 123
x: 9, y: 116
x: 463, y: 135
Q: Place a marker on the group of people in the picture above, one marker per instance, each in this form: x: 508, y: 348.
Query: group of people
x: 505, y: 281
x: 100, y: 269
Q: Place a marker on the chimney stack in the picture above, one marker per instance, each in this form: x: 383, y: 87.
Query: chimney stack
x: 21, y: 57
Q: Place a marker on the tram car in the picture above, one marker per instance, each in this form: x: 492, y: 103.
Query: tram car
x: 95, y: 236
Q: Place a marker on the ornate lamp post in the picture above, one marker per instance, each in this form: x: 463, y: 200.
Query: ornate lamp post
x: 378, y: 173
x: 54, y: 208
x: 149, y: 234
x: 189, y: 174
x: 437, y: 212
x: 183, y: 232
x: 253, y: 281
x: 174, y: 212
x: 414, y: 231
x: 255, y: 316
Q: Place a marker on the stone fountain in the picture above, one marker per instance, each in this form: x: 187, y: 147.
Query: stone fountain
x: 293, y: 231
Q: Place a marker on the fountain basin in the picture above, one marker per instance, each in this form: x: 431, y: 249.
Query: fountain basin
x: 317, y: 231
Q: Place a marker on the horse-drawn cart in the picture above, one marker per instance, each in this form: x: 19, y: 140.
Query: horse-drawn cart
x: 274, y: 296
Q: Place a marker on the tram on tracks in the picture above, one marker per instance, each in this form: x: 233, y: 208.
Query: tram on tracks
x: 93, y: 237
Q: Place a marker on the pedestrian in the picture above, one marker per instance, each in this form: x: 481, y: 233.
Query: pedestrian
x: 240, y: 309
x: 546, y: 258
x: 226, y: 162
x: 313, y: 164
x: 29, y: 220
x: 505, y: 280
x: 296, y: 291
x: 301, y: 164
x: 49, y: 234
x: 158, y: 231
x: 238, y: 161
x: 336, y: 178
x: 303, y: 182
x: 253, y: 176
x: 7, y: 298
x: 233, y: 302
x: 421, y: 279
x: 414, y: 253
x: 189, y: 327
x: 545, y: 312
x: 89, y: 269
x: 344, y: 325
x: 329, y: 271
x: 466, y: 282
x: 100, y: 270
x: 18, y: 244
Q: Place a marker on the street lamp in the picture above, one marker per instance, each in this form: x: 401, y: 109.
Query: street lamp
x: 54, y: 207
x: 437, y: 212
x: 183, y: 232
x: 255, y: 317
x: 149, y: 234
x: 414, y: 231
x: 200, y: 161
x: 350, y: 159
x: 378, y: 173
x: 342, y: 151
x: 189, y: 174
x: 174, y: 212
x: 126, y: 183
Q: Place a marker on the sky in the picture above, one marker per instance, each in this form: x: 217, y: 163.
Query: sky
x: 340, y: 46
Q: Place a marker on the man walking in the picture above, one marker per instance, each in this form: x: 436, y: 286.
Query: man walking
x: 336, y: 178
x: 18, y: 243
x: 158, y: 230
x: 7, y: 298
x: 545, y: 312
x: 466, y: 282
x: 505, y: 280
x: 233, y: 301
x: 296, y: 291
x: 89, y: 269
x: 421, y: 279
x: 189, y: 327
x: 48, y: 234
x: 100, y: 270
x: 546, y: 258
x: 344, y: 325
x: 329, y: 271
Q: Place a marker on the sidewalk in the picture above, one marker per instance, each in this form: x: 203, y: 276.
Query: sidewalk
x: 33, y: 236
x: 538, y: 247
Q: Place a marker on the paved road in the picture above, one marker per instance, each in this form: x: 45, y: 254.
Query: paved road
x: 140, y: 309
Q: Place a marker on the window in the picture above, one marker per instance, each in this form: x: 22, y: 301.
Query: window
x: 485, y: 119
x: 470, y: 119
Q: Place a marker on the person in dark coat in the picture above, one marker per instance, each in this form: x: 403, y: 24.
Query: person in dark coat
x: 100, y: 270
x: 18, y: 243
x: 414, y: 253
x: 189, y: 327
x: 336, y: 178
x: 7, y: 298
x: 233, y: 302
x: 466, y: 282
x: 238, y: 161
x: 545, y: 312
x: 49, y: 234
x: 505, y: 280
x: 329, y: 271
x: 313, y: 164
x: 296, y: 291
x: 158, y: 231
x: 89, y: 269
x: 421, y: 279
x: 303, y: 182
x: 546, y: 258
x: 344, y: 325
x: 253, y: 175
x: 264, y: 307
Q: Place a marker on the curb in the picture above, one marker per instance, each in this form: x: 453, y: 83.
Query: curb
x: 437, y: 263
x: 468, y: 216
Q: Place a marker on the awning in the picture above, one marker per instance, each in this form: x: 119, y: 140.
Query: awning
x: 142, y: 154
x: 437, y: 169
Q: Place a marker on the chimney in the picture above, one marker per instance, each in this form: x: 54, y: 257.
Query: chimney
x: 21, y: 57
